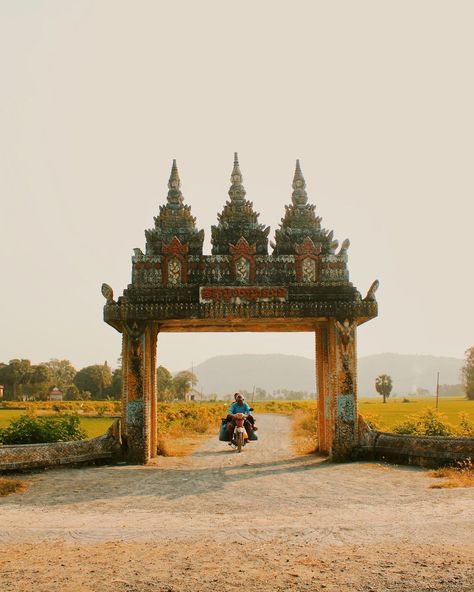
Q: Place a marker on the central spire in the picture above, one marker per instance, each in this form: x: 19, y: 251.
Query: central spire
x: 238, y: 219
x: 175, y: 197
x: 299, y: 196
x: 175, y: 181
x: 237, y: 191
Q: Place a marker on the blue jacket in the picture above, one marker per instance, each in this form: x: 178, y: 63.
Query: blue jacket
x: 236, y: 408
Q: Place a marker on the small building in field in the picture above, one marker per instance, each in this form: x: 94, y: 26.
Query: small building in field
x: 56, y: 394
x: 194, y: 395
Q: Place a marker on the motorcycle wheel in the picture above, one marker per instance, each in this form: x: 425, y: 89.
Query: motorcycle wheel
x: 240, y: 441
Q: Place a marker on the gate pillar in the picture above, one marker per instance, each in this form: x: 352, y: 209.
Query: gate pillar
x: 336, y: 367
x: 139, y: 391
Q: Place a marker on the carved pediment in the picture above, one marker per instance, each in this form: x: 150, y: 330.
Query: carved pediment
x: 242, y: 248
x: 307, y: 247
x: 175, y: 247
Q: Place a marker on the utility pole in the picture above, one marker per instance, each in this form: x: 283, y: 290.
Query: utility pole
x: 437, y: 391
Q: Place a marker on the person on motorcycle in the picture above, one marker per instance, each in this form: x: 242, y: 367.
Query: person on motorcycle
x: 239, y: 406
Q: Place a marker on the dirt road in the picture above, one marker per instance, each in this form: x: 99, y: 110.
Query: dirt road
x: 217, y: 520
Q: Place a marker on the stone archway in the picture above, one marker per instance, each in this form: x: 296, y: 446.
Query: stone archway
x: 303, y: 286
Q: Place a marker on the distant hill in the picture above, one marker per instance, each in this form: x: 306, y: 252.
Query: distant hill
x: 226, y: 374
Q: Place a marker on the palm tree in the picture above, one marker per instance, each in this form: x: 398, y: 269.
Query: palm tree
x: 383, y: 385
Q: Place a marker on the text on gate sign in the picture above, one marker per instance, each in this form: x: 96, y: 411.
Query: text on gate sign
x: 236, y: 294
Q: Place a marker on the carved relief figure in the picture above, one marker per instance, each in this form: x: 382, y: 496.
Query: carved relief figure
x: 242, y: 270
x: 346, y: 331
x: 308, y: 269
x: 174, y: 272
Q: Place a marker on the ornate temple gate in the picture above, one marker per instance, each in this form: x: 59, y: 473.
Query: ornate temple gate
x: 303, y: 286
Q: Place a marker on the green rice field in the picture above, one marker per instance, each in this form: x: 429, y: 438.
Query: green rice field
x: 394, y: 410
x: 94, y: 426
x: 386, y: 415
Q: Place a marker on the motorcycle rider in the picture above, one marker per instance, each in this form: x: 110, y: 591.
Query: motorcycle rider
x: 239, y: 406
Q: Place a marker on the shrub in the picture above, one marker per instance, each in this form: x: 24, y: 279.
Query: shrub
x: 373, y: 421
x: 466, y: 426
x: 461, y: 475
x: 181, y: 418
x: 36, y: 430
x: 283, y: 407
x: 88, y: 407
x: 429, y: 423
x: 9, y: 486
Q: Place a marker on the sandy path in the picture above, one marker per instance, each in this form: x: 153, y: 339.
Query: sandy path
x: 295, y: 522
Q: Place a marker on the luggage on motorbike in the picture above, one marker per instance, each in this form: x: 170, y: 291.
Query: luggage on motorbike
x: 253, y: 435
x: 223, y: 434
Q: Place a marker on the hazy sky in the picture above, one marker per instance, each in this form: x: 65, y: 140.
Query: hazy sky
x: 97, y: 97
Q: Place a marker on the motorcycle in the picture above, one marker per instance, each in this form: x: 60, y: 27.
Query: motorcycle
x: 239, y: 437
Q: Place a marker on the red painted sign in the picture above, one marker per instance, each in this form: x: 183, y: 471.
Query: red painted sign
x: 238, y: 294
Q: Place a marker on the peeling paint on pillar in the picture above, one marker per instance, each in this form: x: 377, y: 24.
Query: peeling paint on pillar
x: 346, y: 408
x: 135, y: 414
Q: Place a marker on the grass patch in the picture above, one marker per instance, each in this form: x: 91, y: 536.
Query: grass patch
x: 304, y: 434
x: 395, y: 410
x: 426, y: 423
x: 92, y: 408
x: 92, y: 426
x: 176, y: 445
x: 283, y: 407
x: 183, y: 426
x: 10, y: 486
x: 30, y: 429
x: 461, y: 475
x: 96, y: 426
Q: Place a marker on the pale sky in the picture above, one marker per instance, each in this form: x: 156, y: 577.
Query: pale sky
x: 97, y: 97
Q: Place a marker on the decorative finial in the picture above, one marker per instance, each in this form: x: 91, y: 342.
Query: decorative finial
x: 299, y: 196
x: 108, y: 293
x: 373, y: 288
x: 237, y: 191
x: 236, y: 176
x: 175, y: 181
x: 174, y: 185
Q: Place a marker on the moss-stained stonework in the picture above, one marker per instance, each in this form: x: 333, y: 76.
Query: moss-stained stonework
x: 303, y: 286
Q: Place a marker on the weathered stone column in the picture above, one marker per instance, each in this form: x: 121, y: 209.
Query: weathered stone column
x: 153, y: 401
x: 139, y: 390
x: 322, y: 377
x: 337, y: 388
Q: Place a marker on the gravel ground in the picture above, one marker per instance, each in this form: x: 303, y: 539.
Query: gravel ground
x: 264, y: 519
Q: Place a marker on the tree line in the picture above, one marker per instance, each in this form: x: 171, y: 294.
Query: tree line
x: 171, y: 388
x: 23, y: 380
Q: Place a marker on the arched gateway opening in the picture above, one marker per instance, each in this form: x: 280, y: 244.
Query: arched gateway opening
x: 302, y: 286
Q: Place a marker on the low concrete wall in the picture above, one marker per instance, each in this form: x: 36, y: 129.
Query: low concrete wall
x: 423, y: 451
x: 35, y: 456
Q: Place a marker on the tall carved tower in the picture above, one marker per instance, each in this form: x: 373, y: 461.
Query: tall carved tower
x: 303, y: 286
